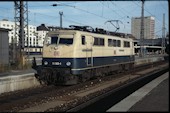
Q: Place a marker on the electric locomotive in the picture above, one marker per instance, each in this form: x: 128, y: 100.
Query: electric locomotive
x: 72, y: 56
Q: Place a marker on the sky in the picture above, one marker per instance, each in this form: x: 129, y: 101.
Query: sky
x: 91, y: 13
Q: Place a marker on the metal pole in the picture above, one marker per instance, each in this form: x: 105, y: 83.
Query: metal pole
x: 27, y: 31
x: 61, y: 13
x: 15, y: 37
x: 163, y: 35
x: 16, y: 42
x: 21, y: 38
x: 142, y: 32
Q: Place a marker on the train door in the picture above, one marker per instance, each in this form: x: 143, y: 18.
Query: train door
x: 89, y: 50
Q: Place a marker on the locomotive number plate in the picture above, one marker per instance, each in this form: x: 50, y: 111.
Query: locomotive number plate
x: 56, y: 63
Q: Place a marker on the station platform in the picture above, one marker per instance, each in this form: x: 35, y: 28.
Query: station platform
x: 17, y: 72
x: 152, y: 97
x: 17, y: 80
x: 148, y: 59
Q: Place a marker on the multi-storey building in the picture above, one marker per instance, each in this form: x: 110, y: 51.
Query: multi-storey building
x: 42, y: 30
x: 32, y: 40
x: 149, y: 27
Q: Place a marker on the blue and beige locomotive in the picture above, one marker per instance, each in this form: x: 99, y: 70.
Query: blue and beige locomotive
x: 72, y: 56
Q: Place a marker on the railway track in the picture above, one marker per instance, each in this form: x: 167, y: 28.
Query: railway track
x: 64, y: 98
x: 112, y: 97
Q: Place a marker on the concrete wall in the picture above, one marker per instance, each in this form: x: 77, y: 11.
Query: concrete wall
x: 18, y: 82
x: 140, y: 61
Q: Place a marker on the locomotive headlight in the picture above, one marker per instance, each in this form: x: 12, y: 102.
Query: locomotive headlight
x: 45, y: 63
x: 68, y: 63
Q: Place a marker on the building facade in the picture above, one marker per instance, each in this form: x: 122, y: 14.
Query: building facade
x: 31, y: 40
x: 149, y: 27
x: 36, y: 35
x: 42, y: 30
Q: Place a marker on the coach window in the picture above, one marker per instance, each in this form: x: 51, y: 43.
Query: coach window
x: 83, y: 40
x: 110, y: 42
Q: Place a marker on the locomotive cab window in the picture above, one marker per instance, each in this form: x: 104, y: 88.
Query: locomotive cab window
x: 51, y: 40
x: 59, y: 39
x: 54, y: 40
x: 65, y: 39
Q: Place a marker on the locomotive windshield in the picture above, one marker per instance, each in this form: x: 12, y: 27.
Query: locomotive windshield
x: 66, y: 41
x: 59, y: 39
x: 54, y: 40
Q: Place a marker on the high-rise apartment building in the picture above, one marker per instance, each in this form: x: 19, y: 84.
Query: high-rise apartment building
x: 42, y: 30
x: 32, y: 40
x: 149, y: 27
